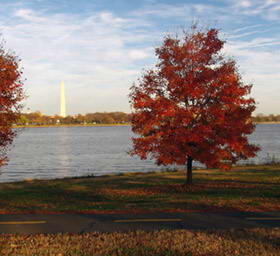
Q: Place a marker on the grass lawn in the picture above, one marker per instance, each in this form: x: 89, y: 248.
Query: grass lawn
x: 253, y: 188
x: 249, y: 242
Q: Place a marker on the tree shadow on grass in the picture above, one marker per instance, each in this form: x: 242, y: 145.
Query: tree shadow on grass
x: 62, y: 200
x: 132, y: 192
x: 243, y: 182
x: 48, y: 198
x: 234, y: 189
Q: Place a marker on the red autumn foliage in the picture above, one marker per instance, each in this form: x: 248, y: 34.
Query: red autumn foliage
x: 192, y: 105
x: 11, y: 93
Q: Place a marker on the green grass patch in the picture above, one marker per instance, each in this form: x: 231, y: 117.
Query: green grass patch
x: 255, y: 188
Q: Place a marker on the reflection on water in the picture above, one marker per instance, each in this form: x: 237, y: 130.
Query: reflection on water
x: 45, y: 153
x: 63, y: 153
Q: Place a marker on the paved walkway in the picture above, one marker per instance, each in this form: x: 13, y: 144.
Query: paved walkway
x: 81, y: 223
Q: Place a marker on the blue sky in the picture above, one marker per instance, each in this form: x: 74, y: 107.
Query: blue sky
x: 100, y: 47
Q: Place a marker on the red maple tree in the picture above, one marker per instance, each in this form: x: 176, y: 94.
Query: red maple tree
x: 11, y: 93
x: 193, y: 105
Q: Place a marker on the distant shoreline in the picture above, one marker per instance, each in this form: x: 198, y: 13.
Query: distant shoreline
x: 94, y: 125
x: 267, y: 123
x: 69, y: 125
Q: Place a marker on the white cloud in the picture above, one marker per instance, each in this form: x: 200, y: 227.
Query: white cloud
x: 165, y: 10
x: 100, y: 54
x: 24, y: 13
x: 268, y: 9
x: 138, y: 54
x: 247, y: 28
x: 260, y: 66
x: 245, y: 3
x: 28, y: 15
x: 110, y: 20
x: 90, y: 53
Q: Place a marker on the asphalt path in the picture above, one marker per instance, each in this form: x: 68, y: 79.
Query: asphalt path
x: 82, y: 223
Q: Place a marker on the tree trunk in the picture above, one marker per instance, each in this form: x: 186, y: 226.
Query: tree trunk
x: 189, y: 170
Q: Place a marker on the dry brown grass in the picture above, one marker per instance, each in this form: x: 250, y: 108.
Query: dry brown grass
x: 249, y: 242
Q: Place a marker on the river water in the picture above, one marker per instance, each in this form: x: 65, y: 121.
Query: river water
x: 47, y: 153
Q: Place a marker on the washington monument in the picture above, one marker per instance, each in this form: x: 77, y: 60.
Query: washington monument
x: 62, y: 100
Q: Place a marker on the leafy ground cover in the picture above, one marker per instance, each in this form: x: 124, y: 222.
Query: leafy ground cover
x: 255, y: 188
x: 249, y: 242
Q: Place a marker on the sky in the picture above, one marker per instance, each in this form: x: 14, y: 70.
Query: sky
x: 100, y: 47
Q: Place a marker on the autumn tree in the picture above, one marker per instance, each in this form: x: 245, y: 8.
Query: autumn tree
x: 11, y: 93
x: 192, y: 105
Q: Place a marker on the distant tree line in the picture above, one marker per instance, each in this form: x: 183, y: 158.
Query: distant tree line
x: 266, y: 118
x: 37, y: 118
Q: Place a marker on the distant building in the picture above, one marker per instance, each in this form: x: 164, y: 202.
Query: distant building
x: 62, y: 100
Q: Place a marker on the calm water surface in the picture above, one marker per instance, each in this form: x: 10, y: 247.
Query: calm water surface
x: 47, y: 153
